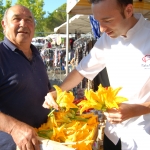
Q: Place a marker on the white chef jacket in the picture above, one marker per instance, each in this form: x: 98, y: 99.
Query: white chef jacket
x: 127, y: 60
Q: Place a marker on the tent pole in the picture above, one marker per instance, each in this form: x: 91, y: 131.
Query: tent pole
x: 67, y: 43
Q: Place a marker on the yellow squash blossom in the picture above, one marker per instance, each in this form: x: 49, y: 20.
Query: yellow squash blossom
x: 102, y: 99
x: 64, y: 99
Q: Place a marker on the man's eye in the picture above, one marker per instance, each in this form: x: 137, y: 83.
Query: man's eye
x: 107, y: 21
x: 16, y: 18
x: 29, y: 20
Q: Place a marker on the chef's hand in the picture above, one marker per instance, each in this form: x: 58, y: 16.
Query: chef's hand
x: 50, y: 100
x: 25, y: 137
x: 125, y: 111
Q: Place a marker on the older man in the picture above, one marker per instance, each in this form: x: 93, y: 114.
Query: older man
x: 23, y: 82
x: 123, y: 48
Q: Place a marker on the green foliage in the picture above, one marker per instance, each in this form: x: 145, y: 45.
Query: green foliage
x: 56, y: 18
x: 2, y: 10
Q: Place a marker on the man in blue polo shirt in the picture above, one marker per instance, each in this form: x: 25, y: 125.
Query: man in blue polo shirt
x: 23, y: 82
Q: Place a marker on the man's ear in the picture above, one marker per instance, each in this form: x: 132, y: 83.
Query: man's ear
x: 128, y: 11
x: 3, y: 24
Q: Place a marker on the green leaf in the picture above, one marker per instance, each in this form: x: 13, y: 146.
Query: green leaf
x: 45, y: 133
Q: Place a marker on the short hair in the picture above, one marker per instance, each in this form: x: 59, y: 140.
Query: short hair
x: 121, y: 3
x: 5, y: 14
x: 7, y: 10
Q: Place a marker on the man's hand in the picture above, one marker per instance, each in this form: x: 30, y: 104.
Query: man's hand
x: 25, y: 137
x: 50, y: 100
x: 125, y: 111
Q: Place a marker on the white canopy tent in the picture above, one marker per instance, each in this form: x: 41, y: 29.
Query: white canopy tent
x: 142, y: 7
x: 56, y: 35
x: 79, y: 7
x: 79, y: 23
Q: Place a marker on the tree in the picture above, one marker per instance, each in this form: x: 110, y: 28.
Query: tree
x: 36, y: 7
x: 55, y: 18
x: 2, y: 10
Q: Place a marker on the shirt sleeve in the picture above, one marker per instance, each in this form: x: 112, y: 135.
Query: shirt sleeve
x: 94, y: 62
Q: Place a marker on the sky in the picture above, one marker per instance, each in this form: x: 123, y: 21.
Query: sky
x: 49, y: 5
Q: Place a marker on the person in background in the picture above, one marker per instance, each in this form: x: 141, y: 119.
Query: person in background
x: 47, y: 44
x: 124, y: 49
x: 23, y: 82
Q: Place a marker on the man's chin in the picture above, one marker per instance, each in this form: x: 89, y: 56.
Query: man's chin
x: 23, y: 39
x: 113, y: 37
x: 22, y: 42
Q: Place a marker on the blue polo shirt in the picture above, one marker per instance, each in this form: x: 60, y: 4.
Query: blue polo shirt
x: 23, y: 86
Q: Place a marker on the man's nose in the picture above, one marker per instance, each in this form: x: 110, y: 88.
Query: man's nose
x: 22, y: 22
x: 102, y: 28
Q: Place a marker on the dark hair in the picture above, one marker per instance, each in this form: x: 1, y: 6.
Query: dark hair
x: 121, y: 3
